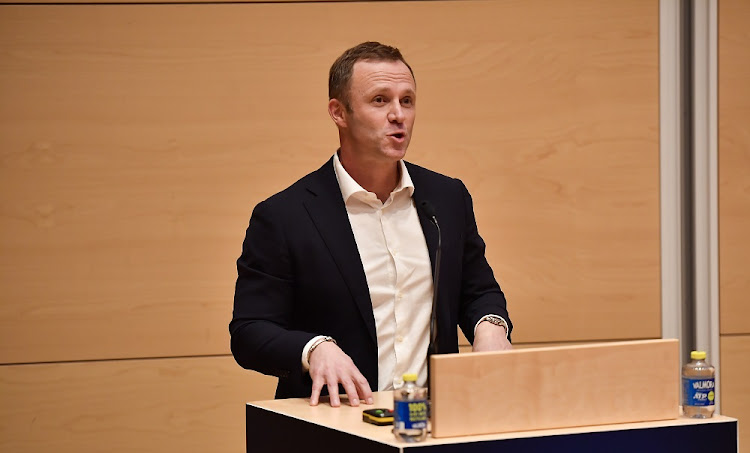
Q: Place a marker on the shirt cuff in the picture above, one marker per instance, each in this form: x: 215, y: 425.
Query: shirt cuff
x: 306, y: 351
x: 485, y: 317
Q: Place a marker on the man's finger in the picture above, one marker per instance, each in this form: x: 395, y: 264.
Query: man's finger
x: 363, y: 388
x: 351, y: 392
x: 333, y: 392
x: 316, y: 388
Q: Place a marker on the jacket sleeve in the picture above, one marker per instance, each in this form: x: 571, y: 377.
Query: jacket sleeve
x: 480, y: 293
x: 264, y: 299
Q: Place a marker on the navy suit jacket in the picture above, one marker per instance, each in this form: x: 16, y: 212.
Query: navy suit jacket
x: 300, y: 275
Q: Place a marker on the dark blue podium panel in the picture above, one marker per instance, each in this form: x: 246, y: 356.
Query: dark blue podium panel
x: 269, y: 431
x: 713, y: 438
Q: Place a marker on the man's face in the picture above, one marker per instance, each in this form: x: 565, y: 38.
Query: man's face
x: 382, y: 100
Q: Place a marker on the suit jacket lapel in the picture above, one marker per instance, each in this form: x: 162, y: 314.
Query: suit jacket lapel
x: 328, y: 212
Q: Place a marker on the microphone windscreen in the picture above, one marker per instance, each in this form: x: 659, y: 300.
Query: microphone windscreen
x: 428, y: 208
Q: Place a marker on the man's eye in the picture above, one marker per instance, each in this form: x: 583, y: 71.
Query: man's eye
x: 379, y: 99
x: 407, y: 101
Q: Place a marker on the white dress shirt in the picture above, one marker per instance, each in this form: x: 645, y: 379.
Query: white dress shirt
x: 398, y: 270
x: 397, y: 266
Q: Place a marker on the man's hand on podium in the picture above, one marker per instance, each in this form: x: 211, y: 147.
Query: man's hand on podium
x: 490, y: 337
x: 329, y: 365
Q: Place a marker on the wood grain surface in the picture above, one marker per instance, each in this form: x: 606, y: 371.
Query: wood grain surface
x: 735, y: 382
x: 554, y: 387
x: 734, y: 211
x: 135, y: 140
x: 734, y: 165
x: 349, y: 420
x: 164, y: 405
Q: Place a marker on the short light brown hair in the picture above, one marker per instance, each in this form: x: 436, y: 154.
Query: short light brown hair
x: 340, y: 76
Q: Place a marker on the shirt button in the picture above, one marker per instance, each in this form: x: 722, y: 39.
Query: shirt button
x: 399, y: 339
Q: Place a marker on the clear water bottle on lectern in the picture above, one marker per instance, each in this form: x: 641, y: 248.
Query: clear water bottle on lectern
x: 410, y: 411
x: 698, y: 387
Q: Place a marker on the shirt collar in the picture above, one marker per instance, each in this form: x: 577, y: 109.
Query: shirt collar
x: 349, y: 187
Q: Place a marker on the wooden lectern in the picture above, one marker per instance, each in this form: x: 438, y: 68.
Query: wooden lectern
x: 555, y: 387
x: 590, y: 398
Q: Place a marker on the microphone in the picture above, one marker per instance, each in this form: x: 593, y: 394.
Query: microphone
x: 433, y: 347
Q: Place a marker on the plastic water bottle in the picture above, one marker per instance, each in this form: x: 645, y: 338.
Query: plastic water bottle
x: 410, y: 411
x: 698, y: 387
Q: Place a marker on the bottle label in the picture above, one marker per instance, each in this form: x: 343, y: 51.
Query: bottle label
x: 410, y: 414
x: 698, y: 392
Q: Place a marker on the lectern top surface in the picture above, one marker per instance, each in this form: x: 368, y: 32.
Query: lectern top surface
x: 349, y: 420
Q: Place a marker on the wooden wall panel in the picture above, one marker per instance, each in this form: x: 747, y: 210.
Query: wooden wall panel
x: 164, y: 405
x: 136, y: 139
x: 555, y: 133
x: 734, y: 165
x: 735, y: 382
x: 734, y: 211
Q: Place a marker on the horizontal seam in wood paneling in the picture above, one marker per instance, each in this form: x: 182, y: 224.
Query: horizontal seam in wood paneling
x: 209, y: 2
x: 542, y: 344
x: 122, y: 359
x: 564, y: 342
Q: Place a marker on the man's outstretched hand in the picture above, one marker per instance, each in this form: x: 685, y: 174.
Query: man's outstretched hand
x: 330, y: 366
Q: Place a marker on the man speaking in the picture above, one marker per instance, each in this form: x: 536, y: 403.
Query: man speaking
x: 335, y: 281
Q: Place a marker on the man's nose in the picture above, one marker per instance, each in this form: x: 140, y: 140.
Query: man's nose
x: 396, y: 114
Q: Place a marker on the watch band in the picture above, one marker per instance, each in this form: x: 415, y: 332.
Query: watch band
x: 498, y: 321
x: 319, y: 342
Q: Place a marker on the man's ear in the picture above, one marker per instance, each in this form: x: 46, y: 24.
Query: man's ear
x: 337, y: 110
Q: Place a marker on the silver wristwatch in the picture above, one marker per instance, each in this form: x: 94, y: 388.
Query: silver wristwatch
x: 317, y: 343
x: 498, y: 321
